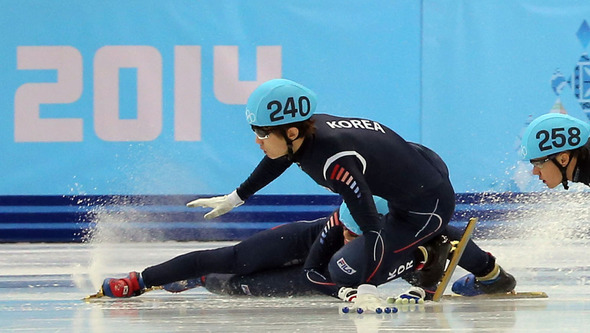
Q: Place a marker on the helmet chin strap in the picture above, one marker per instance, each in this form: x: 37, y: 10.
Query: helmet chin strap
x: 289, y: 146
x: 563, y: 170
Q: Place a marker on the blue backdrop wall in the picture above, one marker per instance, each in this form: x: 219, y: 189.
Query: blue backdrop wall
x: 121, y: 98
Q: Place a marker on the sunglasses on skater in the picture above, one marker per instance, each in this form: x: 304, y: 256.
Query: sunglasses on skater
x: 539, y: 162
x: 261, y: 132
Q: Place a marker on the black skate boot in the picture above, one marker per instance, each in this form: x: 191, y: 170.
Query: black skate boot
x: 432, y: 267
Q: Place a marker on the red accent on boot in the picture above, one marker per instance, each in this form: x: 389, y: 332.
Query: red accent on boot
x: 125, y: 287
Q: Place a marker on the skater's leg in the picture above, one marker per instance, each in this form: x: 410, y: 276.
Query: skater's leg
x: 273, y: 248
x: 279, y: 282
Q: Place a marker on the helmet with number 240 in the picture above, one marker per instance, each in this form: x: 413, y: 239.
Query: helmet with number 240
x: 553, y: 133
x: 278, y: 102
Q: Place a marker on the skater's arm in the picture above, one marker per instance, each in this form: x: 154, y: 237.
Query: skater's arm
x: 346, y: 176
x: 266, y: 171
x: 330, y: 240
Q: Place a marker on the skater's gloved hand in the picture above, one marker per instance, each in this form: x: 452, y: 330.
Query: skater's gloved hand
x: 220, y: 205
x: 347, y: 294
x: 368, y: 300
x: 414, y: 295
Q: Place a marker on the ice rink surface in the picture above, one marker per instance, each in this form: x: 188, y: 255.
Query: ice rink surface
x: 42, y: 286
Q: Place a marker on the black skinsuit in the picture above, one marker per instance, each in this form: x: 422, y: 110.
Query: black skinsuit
x: 359, y: 158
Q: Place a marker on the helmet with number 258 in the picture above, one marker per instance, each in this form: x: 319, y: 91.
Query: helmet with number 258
x: 553, y: 133
x: 279, y: 102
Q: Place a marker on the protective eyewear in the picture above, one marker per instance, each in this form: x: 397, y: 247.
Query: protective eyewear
x: 261, y: 132
x: 540, y: 162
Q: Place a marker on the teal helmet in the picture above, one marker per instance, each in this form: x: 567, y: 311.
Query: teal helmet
x: 351, y: 224
x: 553, y: 133
x: 279, y: 102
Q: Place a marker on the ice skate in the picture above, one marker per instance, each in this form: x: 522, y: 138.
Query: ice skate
x: 129, y: 286
x: 431, y: 269
x: 469, y: 285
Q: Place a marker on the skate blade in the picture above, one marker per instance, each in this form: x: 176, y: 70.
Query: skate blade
x: 509, y: 295
x: 457, y: 250
x: 99, y: 294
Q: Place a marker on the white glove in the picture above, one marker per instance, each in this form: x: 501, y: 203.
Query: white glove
x: 414, y: 295
x: 347, y: 294
x: 220, y: 205
x: 368, y: 300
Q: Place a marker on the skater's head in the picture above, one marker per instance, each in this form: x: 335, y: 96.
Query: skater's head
x: 279, y: 112
x: 348, y: 221
x: 278, y: 102
x: 551, y: 143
